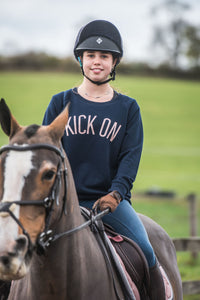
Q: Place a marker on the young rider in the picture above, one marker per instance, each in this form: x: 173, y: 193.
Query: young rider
x: 104, y: 137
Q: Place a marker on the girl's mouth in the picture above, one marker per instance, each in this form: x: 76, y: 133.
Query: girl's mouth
x: 96, y: 70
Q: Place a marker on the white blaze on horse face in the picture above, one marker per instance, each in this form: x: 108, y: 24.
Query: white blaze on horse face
x: 17, y: 167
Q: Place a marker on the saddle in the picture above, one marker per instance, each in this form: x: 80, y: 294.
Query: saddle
x: 128, y: 260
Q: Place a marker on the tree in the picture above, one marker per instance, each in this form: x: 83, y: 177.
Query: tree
x: 175, y: 37
x: 192, y: 35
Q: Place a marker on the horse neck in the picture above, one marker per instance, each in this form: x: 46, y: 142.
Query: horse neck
x: 61, y: 256
x: 73, y: 215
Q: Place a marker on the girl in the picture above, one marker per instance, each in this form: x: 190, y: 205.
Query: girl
x: 104, y: 137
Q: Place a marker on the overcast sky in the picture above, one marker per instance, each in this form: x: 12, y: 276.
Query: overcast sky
x: 52, y: 25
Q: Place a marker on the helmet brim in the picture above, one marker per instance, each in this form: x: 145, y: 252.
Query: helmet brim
x: 98, y: 43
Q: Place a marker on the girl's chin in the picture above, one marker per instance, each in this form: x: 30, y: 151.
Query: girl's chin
x: 96, y: 77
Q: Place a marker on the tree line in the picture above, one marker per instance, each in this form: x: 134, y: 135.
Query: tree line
x: 37, y: 61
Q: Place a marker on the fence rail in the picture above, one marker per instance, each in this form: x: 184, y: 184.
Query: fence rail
x: 191, y: 287
x: 187, y: 244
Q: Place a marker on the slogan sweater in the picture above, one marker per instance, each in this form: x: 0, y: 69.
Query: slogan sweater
x: 103, y: 142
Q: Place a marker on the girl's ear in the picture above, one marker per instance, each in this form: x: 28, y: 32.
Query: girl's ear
x: 114, y: 61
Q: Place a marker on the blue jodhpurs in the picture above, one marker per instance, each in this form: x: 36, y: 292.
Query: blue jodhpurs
x: 124, y: 220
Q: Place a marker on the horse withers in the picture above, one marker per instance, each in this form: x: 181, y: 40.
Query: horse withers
x: 38, y: 202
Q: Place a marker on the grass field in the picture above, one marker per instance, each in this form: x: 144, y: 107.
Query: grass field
x: 170, y: 112
x: 171, y: 156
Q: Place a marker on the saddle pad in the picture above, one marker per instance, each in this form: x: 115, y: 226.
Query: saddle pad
x: 133, y: 259
x: 168, y: 288
x: 130, y: 281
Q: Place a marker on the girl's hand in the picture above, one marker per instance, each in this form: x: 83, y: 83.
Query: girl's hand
x: 110, y: 201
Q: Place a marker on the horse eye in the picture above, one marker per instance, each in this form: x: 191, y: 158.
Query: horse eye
x: 48, y: 175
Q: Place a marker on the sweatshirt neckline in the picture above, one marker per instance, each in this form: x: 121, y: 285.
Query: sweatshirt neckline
x: 115, y: 95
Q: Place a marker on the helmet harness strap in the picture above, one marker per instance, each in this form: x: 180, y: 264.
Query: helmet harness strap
x: 112, y: 74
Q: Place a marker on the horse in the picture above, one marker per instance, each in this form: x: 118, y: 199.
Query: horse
x: 47, y: 249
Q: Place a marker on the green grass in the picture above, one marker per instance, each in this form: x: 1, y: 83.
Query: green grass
x: 28, y: 94
x: 171, y: 155
x: 170, y: 112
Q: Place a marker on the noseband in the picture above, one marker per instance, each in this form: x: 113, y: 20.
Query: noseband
x: 44, y: 238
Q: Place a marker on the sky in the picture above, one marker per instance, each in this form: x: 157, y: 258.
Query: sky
x: 52, y: 25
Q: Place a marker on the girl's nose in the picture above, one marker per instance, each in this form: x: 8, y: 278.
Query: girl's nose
x: 96, y: 59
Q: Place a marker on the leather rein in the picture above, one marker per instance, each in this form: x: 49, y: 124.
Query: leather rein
x: 47, y: 237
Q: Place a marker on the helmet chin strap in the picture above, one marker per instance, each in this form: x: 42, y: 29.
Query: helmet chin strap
x: 112, y: 74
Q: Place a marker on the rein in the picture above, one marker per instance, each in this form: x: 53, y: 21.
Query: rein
x: 47, y: 237
x: 93, y: 219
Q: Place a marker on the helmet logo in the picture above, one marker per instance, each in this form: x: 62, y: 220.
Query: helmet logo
x: 99, y: 40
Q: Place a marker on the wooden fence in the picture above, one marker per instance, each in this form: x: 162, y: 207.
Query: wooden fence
x: 191, y: 244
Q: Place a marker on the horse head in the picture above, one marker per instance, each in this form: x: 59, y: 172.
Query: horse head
x: 31, y: 168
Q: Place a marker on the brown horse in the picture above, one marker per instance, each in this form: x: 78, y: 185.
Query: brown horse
x: 38, y: 204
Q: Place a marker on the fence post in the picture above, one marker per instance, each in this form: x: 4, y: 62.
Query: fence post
x: 193, y: 219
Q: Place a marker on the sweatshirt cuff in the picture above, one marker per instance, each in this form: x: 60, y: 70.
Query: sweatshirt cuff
x: 120, y: 188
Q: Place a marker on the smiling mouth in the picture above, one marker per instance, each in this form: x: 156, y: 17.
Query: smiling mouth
x: 96, y: 70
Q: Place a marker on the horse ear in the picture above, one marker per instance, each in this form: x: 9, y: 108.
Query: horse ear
x: 57, y: 127
x: 8, y: 123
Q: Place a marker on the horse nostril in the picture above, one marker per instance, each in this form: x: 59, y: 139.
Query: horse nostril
x: 5, y: 260
x: 21, y: 243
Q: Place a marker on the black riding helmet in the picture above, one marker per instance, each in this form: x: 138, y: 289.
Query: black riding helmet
x: 99, y: 35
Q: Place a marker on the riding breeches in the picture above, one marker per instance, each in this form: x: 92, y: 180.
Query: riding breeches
x: 125, y: 221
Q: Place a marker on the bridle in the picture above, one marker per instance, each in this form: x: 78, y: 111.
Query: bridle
x: 48, y: 202
x: 46, y: 237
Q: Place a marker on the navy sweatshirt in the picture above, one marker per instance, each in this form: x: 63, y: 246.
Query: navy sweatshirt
x: 103, y: 142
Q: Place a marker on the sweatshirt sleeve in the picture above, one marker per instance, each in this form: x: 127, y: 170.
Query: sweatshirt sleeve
x: 130, y: 153
x: 53, y: 110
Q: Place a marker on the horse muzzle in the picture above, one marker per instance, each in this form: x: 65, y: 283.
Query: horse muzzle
x: 15, y: 250
x: 14, y: 262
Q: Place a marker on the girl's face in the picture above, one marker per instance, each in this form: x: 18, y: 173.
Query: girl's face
x: 97, y: 65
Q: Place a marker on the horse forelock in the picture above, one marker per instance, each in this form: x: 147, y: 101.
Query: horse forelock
x: 33, y: 134
x: 31, y: 130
